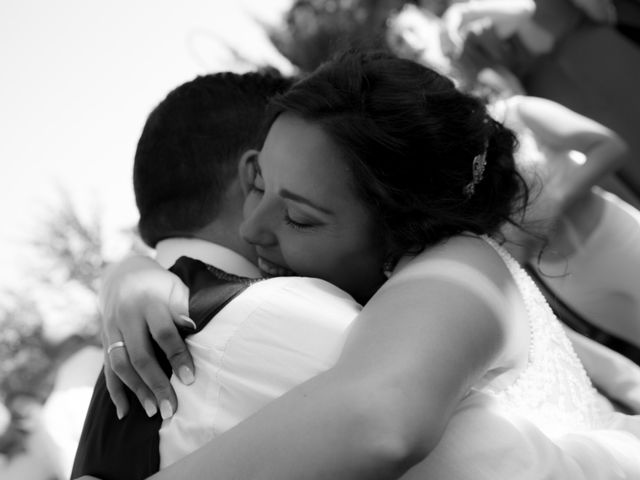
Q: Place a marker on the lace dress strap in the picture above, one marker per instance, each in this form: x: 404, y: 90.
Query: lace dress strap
x: 553, y: 389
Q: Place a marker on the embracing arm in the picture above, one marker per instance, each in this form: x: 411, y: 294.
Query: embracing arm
x: 351, y: 422
x: 380, y: 412
x: 345, y: 423
x: 384, y: 405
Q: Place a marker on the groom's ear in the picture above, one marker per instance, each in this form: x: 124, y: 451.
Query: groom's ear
x: 247, y: 170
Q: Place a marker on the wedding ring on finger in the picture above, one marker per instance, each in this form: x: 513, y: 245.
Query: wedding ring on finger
x: 113, y: 346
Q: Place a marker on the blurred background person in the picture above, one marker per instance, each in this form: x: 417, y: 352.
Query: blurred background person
x: 586, y: 264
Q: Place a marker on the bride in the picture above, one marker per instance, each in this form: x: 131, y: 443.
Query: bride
x: 379, y: 176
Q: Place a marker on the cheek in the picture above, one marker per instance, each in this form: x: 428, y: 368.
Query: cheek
x: 315, y: 255
x: 309, y: 255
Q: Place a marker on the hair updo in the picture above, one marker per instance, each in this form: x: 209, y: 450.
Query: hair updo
x: 410, y: 138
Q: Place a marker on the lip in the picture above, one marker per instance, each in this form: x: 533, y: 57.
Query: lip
x: 273, y: 269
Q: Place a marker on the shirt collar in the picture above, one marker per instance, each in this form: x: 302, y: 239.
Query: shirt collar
x: 169, y: 250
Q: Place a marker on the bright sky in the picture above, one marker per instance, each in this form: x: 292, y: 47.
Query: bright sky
x: 78, y: 79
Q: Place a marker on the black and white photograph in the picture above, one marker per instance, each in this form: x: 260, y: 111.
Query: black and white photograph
x: 320, y: 239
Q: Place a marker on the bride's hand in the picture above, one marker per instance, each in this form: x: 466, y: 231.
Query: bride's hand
x: 140, y: 300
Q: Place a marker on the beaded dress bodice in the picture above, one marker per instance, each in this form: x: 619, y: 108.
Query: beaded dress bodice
x: 553, y: 390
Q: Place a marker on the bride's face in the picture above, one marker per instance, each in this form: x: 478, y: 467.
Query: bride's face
x: 302, y: 212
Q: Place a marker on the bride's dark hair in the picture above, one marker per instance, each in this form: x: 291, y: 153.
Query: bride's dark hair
x: 412, y: 141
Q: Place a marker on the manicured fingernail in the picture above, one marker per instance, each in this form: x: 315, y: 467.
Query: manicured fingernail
x: 150, y: 408
x: 188, y: 321
x: 186, y: 375
x: 166, y: 410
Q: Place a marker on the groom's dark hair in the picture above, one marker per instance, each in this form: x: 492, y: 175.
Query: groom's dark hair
x: 189, y: 149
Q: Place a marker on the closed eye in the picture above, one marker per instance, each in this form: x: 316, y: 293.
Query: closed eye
x: 297, y: 225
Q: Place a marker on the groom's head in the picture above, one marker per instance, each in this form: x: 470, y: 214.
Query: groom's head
x: 186, y: 162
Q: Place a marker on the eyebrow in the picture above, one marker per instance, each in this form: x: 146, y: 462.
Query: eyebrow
x: 284, y: 193
x: 289, y: 195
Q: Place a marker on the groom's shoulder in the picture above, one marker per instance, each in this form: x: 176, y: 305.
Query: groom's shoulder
x: 302, y: 286
x: 297, y: 294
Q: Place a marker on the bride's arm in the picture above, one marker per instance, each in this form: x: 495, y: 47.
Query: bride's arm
x: 413, y: 353
x: 355, y: 421
x: 378, y: 413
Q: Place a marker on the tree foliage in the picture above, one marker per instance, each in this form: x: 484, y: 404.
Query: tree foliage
x: 70, y: 261
x: 72, y: 246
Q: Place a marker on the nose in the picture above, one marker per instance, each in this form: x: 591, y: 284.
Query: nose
x: 258, y: 227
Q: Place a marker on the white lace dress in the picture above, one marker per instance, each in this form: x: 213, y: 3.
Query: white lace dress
x: 553, y: 391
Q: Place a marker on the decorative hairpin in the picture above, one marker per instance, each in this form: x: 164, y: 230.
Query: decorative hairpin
x: 478, y: 166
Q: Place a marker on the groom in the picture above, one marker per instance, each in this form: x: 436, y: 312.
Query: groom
x: 319, y: 316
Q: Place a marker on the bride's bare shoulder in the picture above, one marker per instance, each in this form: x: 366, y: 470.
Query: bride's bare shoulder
x: 470, y: 251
